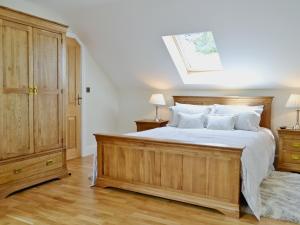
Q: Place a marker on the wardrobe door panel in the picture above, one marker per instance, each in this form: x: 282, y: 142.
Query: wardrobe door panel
x: 48, y: 99
x: 16, y: 103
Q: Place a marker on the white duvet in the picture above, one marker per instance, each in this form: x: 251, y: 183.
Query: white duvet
x: 257, y: 157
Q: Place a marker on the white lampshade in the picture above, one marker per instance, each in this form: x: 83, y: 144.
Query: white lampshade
x: 293, y: 102
x: 157, y: 99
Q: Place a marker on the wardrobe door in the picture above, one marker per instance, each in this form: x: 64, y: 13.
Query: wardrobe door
x: 48, y: 123
x: 16, y: 103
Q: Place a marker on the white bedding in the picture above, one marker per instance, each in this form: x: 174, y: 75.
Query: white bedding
x: 257, y: 157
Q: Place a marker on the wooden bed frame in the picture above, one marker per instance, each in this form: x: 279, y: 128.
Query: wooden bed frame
x: 203, y: 175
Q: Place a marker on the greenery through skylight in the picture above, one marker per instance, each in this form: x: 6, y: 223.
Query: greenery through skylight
x: 198, y: 51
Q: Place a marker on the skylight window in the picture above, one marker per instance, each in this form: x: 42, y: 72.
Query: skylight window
x: 198, y: 51
x: 194, y: 55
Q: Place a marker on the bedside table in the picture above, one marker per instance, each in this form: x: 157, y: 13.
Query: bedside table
x: 142, y: 125
x: 289, y: 150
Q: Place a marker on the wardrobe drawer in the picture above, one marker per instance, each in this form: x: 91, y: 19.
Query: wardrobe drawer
x: 29, y: 167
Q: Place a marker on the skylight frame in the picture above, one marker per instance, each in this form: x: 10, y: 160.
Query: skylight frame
x: 185, y: 57
x: 188, y: 75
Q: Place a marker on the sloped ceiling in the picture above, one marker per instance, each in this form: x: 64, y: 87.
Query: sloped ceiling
x: 258, y: 40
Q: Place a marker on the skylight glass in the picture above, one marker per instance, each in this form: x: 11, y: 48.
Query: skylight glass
x: 198, y: 51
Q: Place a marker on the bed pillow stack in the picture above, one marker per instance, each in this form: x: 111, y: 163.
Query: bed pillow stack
x: 216, y: 117
x: 246, y: 117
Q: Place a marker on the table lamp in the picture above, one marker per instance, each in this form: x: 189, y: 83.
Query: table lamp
x: 294, y: 103
x: 157, y: 100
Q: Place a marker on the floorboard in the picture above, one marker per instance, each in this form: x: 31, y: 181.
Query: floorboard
x: 71, y: 201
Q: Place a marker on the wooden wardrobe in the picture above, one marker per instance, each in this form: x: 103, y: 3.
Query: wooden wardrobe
x: 32, y: 102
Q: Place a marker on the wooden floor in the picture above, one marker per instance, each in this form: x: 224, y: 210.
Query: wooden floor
x: 71, y: 201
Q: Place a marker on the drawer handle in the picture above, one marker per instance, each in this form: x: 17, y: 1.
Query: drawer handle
x: 296, y: 157
x: 296, y: 145
x: 17, y: 171
x: 49, y: 162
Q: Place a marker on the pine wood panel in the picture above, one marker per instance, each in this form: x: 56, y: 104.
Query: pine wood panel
x: 172, y: 171
x: 26, y: 168
x: 48, y: 102
x: 291, y: 143
x: 31, y: 105
x: 152, y: 167
x: 222, y: 170
x: 195, y: 167
x: 73, y: 95
x: 196, y: 174
x: 289, y: 150
x: 73, y: 201
x: 16, y: 114
x: 135, y: 172
x: 132, y: 165
x: 142, y: 125
x: 26, y: 171
x: 71, y: 133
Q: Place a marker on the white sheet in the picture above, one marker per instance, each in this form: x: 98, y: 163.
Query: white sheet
x: 257, y: 157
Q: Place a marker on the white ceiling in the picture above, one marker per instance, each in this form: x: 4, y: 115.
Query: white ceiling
x: 258, y: 40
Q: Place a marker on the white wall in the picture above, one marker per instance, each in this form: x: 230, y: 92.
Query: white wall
x: 134, y: 104
x: 100, y: 106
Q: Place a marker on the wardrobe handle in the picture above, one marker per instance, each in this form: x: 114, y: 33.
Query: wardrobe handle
x: 35, y: 90
x: 17, y: 171
x: 49, y: 162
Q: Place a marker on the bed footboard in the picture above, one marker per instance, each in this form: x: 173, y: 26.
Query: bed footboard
x: 202, y: 175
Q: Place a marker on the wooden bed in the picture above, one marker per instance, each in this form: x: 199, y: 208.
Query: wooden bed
x: 203, y: 175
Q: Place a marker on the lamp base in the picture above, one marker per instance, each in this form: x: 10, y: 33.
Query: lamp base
x: 156, y: 119
x: 296, y: 126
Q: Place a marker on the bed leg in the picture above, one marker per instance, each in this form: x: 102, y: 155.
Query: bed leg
x: 231, y: 213
x: 101, y: 183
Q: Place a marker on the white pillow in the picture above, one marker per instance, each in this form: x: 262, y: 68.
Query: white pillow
x: 234, y: 109
x: 248, y: 121
x: 248, y: 117
x: 191, y: 120
x: 221, y: 122
x: 188, y: 109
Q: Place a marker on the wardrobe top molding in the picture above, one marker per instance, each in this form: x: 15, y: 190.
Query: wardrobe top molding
x: 27, y: 19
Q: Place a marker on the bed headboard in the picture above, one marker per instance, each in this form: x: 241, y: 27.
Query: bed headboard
x: 232, y: 100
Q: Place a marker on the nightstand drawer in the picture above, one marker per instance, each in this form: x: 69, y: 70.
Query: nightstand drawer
x: 142, y: 127
x: 291, y: 144
x: 290, y: 157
